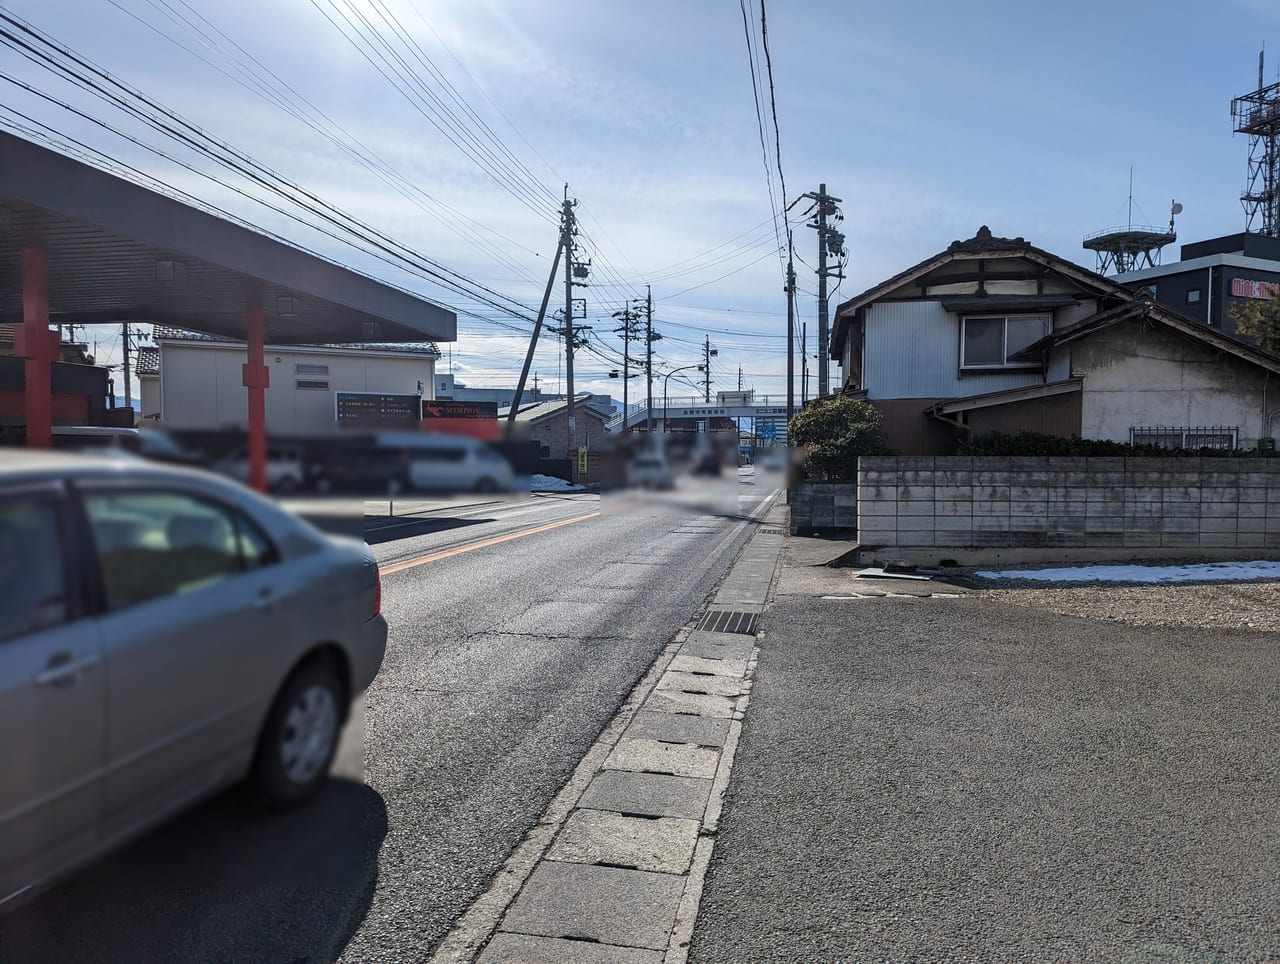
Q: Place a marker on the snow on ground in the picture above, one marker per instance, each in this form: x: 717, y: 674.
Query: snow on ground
x: 1202, y: 572
x: 549, y: 483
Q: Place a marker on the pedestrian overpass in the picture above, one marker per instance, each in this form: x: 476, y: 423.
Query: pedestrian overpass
x: 770, y: 409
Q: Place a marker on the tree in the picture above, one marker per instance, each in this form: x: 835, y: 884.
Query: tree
x: 833, y: 432
x: 1259, y: 320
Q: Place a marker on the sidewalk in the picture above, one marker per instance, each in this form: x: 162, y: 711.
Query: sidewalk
x: 926, y: 776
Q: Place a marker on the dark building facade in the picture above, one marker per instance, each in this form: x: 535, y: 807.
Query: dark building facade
x: 1213, y: 276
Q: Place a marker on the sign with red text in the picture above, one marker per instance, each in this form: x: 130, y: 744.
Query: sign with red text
x: 1244, y: 288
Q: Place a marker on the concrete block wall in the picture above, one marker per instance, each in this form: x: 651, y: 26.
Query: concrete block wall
x: 1111, y: 503
x: 823, y: 505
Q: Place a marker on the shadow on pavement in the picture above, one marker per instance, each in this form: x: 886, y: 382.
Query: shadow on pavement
x: 380, y: 529
x: 226, y: 882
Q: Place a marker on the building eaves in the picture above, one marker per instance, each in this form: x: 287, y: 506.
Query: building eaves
x: 982, y: 245
x: 1161, y: 314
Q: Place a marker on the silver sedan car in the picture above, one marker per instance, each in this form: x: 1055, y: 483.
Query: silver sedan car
x: 163, y: 634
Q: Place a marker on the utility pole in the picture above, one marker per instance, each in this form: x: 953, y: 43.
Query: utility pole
x: 707, y: 354
x: 830, y: 241
x: 572, y: 434
x: 791, y: 330
x: 128, y: 392
x: 566, y: 213
x: 629, y: 330
x: 804, y: 364
x: 650, y: 336
x: 739, y: 378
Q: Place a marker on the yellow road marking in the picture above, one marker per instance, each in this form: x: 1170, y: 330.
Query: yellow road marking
x: 484, y: 543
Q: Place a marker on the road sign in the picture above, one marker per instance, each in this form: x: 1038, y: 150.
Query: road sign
x: 768, y: 431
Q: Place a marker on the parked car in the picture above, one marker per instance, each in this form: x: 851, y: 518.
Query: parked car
x: 164, y: 634
x: 151, y: 443
x: 650, y: 472
x: 361, y: 468
x: 448, y: 463
x: 286, y: 466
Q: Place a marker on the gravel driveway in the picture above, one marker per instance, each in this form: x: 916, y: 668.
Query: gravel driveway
x: 962, y: 779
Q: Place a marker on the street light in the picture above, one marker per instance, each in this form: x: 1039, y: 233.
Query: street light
x: 665, y: 379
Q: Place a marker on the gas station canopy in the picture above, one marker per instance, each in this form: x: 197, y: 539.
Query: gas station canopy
x: 119, y: 252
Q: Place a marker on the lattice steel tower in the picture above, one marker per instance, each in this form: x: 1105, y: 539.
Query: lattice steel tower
x: 1258, y: 115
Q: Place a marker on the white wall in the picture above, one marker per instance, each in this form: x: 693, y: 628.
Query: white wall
x: 149, y: 395
x: 202, y: 384
x: 1140, y: 375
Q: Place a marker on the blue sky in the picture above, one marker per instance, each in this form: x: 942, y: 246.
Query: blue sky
x: 928, y: 119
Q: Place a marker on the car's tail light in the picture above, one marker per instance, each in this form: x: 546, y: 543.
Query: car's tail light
x: 377, y: 592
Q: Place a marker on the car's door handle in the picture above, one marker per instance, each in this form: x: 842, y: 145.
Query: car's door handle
x: 62, y: 668
x: 266, y: 601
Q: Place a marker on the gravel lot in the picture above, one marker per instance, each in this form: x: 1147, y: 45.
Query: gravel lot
x: 1233, y: 605
x: 961, y: 779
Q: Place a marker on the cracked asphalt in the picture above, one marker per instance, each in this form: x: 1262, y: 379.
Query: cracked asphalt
x: 503, y: 665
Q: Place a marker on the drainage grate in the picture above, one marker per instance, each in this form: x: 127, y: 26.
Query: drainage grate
x: 771, y: 532
x: 724, y: 621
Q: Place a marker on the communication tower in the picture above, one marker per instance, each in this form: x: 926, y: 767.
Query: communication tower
x: 1131, y: 247
x: 1258, y: 115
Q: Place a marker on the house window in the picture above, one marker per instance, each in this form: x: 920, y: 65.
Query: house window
x: 309, y: 384
x: 992, y: 341
x: 311, y: 369
x: 1193, y: 296
x: 1172, y: 437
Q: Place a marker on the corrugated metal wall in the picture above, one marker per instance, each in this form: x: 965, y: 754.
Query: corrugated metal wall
x: 913, y: 351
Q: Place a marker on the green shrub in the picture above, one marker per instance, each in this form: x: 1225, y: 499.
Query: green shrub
x: 832, y: 432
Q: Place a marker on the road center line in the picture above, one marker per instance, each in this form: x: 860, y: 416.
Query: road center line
x: 484, y: 543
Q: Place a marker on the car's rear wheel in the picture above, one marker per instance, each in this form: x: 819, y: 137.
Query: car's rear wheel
x: 486, y: 485
x: 300, y: 737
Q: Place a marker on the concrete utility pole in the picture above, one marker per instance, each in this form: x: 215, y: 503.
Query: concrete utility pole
x: 707, y: 354
x: 537, y: 327
x: 791, y: 331
x: 804, y: 364
x: 650, y: 336
x: 572, y: 435
x: 830, y: 241
x: 124, y: 340
x: 629, y: 330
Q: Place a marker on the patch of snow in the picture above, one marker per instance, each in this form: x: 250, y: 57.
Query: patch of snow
x: 549, y: 483
x: 1200, y: 572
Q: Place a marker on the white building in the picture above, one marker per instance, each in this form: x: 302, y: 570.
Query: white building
x: 192, y: 381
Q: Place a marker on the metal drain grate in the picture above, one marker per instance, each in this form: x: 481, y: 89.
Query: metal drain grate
x: 771, y: 532
x: 725, y: 621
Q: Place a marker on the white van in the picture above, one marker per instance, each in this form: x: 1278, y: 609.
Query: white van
x: 449, y: 463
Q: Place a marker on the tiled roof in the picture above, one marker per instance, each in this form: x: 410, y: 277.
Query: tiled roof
x: 147, y: 362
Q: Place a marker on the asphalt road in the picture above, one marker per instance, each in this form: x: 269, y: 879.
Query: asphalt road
x: 504, y: 663
x: 925, y: 779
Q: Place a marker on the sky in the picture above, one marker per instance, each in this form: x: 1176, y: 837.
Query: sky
x: 927, y: 120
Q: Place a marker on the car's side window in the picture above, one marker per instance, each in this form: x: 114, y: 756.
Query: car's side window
x: 33, y: 585
x: 153, y: 544
x: 256, y: 549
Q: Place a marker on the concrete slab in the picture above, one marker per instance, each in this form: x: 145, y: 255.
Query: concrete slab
x: 732, y: 668
x: 630, y: 908
x: 701, y: 683
x: 652, y: 756
x: 673, y: 701
x: 718, y: 645
x: 679, y: 728
x: 599, y: 837
x: 651, y: 794
x: 553, y: 950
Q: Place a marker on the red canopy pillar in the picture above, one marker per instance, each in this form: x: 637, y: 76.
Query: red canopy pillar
x: 256, y: 379
x: 35, y: 342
